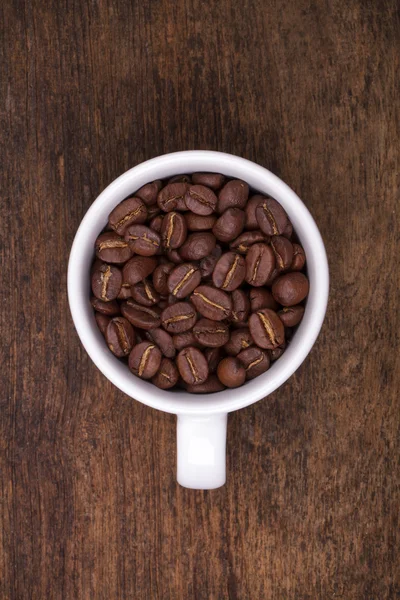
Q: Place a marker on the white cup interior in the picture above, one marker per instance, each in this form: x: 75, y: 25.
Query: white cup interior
x: 82, y: 253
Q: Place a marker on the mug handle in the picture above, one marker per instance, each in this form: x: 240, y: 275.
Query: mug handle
x: 201, y: 442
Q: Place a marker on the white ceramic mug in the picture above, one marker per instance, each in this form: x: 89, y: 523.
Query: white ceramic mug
x: 202, y: 419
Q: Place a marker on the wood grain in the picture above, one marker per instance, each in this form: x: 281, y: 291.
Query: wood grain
x: 89, y: 506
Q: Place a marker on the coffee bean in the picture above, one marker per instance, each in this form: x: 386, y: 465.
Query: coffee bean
x: 208, y: 263
x: 283, y: 250
x: 247, y: 239
x: 211, y: 385
x: 178, y: 317
x: 291, y: 315
x: 102, y: 322
x: 144, y: 293
x: 111, y: 309
x: 290, y: 289
x: 213, y: 357
x: 266, y: 329
x: 262, y: 298
x: 211, y: 334
x: 271, y: 217
x: 163, y: 340
x: 231, y: 372
x: 128, y: 212
x: 145, y: 360
x: 183, y: 280
x: 120, y: 336
x: 156, y: 223
x: 173, y: 230
x: 288, y: 232
x: 124, y: 292
x: 211, y: 180
x: 174, y: 257
x: 260, y: 262
x: 106, y: 282
x: 277, y: 352
x: 229, y: 272
x: 95, y: 266
x: 167, y: 375
x: 212, y: 303
x: 299, y: 258
x: 160, y: 278
x: 234, y: 194
x: 141, y: 316
x: 138, y: 268
x: 171, y: 196
x: 274, y: 275
x: 240, y: 307
x: 153, y: 212
x: 197, y: 246
x: 112, y: 248
x: 199, y: 223
x: 148, y: 193
x: 239, y: 340
x: 185, y: 339
x: 180, y: 179
x: 251, y: 220
x: 192, y: 365
x: 229, y: 225
x: 201, y: 200
x: 255, y: 361
x: 143, y: 240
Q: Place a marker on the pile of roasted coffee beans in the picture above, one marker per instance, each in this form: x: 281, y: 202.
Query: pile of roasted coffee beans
x: 197, y: 285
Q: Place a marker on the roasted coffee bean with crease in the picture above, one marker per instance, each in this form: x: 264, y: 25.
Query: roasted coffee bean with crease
x: 262, y: 298
x: 197, y: 246
x: 199, y: 222
x: 283, y: 250
x: 144, y: 293
x: 207, y: 264
x: 290, y: 289
x: 260, y: 262
x: 251, y: 219
x: 106, y: 282
x: 180, y: 179
x: 271, y: 217
x: 211, y: 334
x: 201, y: 200
x: 239, y: 340
x: 192, y: 365
x: 211, y: 385
x: 102, y: 322
x: 141, y: 316
x: 145, y: 360
x: 229, y: 225
x: 120, y: 336
x: 266, y: 329
x: 160, y: 278
x: 173, y: 230
x: 255, y: 361
x: 183, y: 280
x: 163, y: 340
x: 138, y: 268
x: 247, y: 239
x: 299, y: 258
x: 148, y: 193
x: 167, y: 375
x: 178, y: 317
x: 212, y: 180
x: 240, y: 307
x: 156, y: 223
x: 185, y: 339
x: 110, y: 309
x: 291, y: 315
x: 112, y: 248
x: 234, y: 194
x: 129, y: 211
x: 229, y: 272
x: 172, y: 196
x: 142, y: 240
x: 231, y: 372
x: 212, y: 303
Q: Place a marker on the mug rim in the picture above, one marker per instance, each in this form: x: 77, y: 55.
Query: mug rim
x: 81, y: 255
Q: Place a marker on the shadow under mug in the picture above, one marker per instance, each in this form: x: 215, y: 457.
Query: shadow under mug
x: 202, y: 419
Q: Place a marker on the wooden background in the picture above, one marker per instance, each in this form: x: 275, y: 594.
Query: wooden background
x: 89, y: 506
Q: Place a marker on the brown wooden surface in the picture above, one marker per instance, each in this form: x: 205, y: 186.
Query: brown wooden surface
x: 89, y: 505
